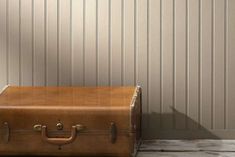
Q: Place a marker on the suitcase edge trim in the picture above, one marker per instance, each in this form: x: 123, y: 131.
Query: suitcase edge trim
x: 4, y: 89
x: 137, y: 92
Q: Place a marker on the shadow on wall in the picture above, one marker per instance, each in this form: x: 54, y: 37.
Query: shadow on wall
x: 183, y: 128
x: 175, y: 125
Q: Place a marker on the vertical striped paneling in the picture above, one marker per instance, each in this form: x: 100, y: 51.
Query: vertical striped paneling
x: 181, y: 52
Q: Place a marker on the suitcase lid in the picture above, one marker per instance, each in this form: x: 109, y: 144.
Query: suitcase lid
x: 93, y: 107
x: 76, y: 97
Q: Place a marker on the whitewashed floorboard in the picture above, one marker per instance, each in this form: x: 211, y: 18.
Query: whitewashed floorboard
x: 186, y: 154
x: 187, y: 148
x: 188, y: 145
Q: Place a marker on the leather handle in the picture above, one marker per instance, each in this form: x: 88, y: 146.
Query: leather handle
x: 62, y: 140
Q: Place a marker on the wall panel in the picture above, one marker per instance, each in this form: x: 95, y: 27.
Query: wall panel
x: 167, y: 63
x: 180, y: 62
x: 3, y: 42
x: 230, y: 66
x: 193, y: 60
x: 26, y: 42
x: 142, y: 53
x: 181, y: 52
x: 14, y: 56
x: 65, y: 43
x: 39, y: 51
x: 90, y: 43
x: 103, y: 42
x: 52, y: 43
x: 154, y: 65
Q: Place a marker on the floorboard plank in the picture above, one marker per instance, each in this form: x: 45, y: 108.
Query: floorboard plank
x: 186, y: 154
x: 188, y: 145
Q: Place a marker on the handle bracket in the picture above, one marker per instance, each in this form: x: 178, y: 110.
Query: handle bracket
x: 61, y: 140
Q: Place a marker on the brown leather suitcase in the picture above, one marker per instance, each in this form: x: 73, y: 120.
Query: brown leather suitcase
x: 61, y: 121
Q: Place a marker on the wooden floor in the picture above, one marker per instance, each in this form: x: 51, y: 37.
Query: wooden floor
x: 187, y: 148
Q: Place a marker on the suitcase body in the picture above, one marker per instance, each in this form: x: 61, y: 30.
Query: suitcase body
x: 70, y: 121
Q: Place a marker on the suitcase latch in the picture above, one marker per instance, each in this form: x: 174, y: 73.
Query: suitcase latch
x: 6, y: 132
x: 113, y: 131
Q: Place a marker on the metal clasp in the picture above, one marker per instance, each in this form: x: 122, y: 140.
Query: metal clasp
x: 37, y: 127
x: 113, y: 132
x: 6, y: 132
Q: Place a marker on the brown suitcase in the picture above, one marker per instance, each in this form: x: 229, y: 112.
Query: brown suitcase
x: 61, y: 121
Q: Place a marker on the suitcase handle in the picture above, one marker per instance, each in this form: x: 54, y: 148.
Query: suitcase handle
x: 61, y: 140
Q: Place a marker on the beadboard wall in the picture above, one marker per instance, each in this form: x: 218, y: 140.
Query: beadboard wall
x: 181, y: 52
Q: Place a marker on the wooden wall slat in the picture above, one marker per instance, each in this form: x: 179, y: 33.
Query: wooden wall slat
x: 65, y: 43
x: 52, y: 44
x: 116, y: 42
x: 90, y: 43
x: 103, y: 42
x: 230, y: 63
x: 39, y: 43
x: 167, y: 63
x: 26, y: 43
x: 3, y: 43
x: 219, y: 58
x: 180, y: 56
x: 206, y: 63
x: 194, y: 75
x: 142, y: 55
x: 129, y: 42
x: 14, y: 42
x: 77, y: 42
x: 154, y: 65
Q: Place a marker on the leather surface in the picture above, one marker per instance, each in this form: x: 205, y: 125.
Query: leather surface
x: 94, y: 107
